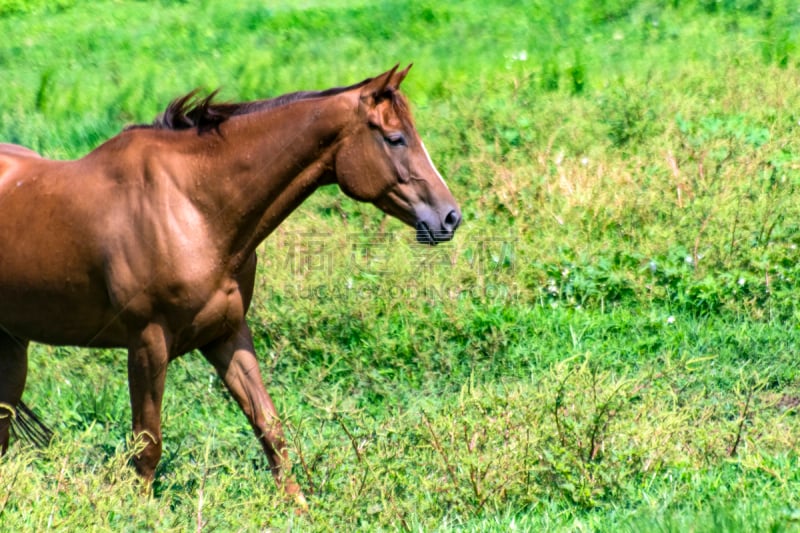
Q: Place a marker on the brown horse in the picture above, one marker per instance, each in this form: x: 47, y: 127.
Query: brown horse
x: 149, y: 241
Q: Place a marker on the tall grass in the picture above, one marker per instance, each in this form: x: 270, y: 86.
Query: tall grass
x: 609, y: 343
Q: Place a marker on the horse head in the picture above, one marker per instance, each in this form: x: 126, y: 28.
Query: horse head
x: 382, y: 160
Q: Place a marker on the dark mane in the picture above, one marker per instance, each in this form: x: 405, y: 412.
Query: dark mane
x: 203, y: 114
x: 190, y: 111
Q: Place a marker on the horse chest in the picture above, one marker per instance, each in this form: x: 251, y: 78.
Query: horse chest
x: 192, y: 298
x: 220, y: 314
x: 225, y: 306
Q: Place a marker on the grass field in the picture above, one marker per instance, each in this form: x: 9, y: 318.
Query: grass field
x: 611, y: 343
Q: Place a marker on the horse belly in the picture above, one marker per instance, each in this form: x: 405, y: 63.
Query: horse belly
x: 58, y: 314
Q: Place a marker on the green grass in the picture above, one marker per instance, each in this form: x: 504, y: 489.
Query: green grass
x: 611, y: 342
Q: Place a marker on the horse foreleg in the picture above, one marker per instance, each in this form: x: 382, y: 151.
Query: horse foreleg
x: 235, y: 361
x: 13, y: 371
x: 148, y: 356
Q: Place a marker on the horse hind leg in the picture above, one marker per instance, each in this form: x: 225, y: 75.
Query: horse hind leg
x: 13, y: 371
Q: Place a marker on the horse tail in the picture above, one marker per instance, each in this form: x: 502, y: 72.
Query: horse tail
x: 28, y: 427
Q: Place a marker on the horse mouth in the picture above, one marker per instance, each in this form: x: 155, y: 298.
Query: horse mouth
x: 425, y: 235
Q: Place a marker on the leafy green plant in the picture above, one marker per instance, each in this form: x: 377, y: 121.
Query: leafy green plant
x: 628, y: 113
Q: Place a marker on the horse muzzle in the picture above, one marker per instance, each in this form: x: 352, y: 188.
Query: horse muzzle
x: 430, y: 232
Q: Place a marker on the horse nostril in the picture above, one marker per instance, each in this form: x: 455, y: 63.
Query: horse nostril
x: 452, y: 220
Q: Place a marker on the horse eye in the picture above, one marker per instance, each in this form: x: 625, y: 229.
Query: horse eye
x: 395, y: 139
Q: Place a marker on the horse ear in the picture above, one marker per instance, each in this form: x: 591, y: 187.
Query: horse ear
x: 400, y: 76
x: 377, y: 86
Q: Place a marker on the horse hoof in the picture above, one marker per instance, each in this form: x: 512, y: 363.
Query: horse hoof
x: 301, y: 503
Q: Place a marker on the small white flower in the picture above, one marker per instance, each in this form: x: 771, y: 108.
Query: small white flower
x: 349, y: 283
x: 653, y: 266
x: 689, y: 260
x: 522, y: 55
x: 741, y: 282
x: 584, y: 161
x: 670, y: 319
x: 551, y: 286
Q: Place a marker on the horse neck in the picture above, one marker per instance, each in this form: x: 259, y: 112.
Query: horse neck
x: 267, y: 163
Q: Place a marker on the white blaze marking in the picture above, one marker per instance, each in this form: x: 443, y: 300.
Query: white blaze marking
x: 425, y: 150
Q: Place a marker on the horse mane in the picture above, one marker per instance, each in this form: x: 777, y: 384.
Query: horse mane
x: 192, y: 111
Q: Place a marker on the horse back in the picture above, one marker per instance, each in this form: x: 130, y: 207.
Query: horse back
x: 17, y: 150
x: 13, y: 155
x: 11, y: 152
